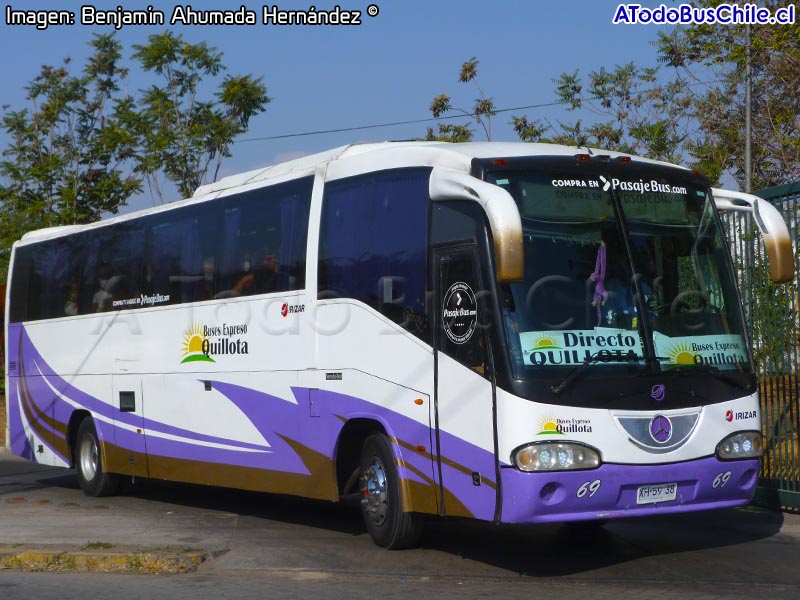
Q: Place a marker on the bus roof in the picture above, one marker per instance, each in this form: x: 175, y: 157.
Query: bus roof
x: 354, y: 159
x: 410, y: 153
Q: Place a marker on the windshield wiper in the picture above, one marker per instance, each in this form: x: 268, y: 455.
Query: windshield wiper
x: 718, y: 373
x: 605, y: 357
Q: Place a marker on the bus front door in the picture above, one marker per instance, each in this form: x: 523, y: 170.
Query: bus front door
x: 464, y: 390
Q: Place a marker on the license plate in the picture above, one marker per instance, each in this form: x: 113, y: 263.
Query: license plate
x: 650, y: 494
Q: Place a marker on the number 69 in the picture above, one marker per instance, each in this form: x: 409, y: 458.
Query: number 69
x: 589, y: 487
x: 721, y: 479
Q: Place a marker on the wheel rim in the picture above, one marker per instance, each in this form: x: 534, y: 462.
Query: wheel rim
x: 375, y: 499
x: 88, y: 457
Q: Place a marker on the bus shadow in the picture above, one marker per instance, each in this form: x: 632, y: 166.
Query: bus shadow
x: 18, y: 476
x: 550, y: 550
x: 555, y: 550
x: 339, y: 517
x: 13, y: 486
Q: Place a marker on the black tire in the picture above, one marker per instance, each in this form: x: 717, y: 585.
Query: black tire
x: 381, y: 497
x: 90, y: 463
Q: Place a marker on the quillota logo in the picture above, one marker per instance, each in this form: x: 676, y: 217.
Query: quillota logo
x: 193, y: 343
x: 545, y: 342
x: 558, y: 426
x: 202, y: 342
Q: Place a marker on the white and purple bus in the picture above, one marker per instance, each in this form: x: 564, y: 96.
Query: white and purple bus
x: 517, y: 333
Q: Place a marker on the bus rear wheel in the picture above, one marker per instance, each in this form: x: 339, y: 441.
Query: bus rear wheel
x: 90, y: 463
x: 381, y: 498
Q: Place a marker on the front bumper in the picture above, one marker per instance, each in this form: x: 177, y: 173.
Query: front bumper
x: 566, y: 495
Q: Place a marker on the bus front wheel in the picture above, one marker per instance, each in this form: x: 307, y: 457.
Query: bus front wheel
x: 90, y: 463
x: 381, y: 498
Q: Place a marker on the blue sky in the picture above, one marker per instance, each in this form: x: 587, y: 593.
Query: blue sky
x: 388, y: 69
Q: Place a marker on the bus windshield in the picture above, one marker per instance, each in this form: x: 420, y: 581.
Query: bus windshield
x: 632, y: 276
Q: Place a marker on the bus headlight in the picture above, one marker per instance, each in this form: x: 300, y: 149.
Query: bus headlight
x: 745, y: 444
x: 554, y: 456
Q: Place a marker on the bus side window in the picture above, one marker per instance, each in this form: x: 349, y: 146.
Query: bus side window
x: 54, y: 272
x: 265, y: 233
x: 373, y: 244
x: 180, y: 255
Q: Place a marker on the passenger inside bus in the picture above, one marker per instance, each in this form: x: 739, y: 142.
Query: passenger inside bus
x: 101, y: 300
x: 244, y: 280
x: 265, y: 277
x: 71, y: 302
x: 205, y: 288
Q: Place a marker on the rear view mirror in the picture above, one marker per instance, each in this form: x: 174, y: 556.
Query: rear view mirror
x: 770, y: 223
x: 501, y: 211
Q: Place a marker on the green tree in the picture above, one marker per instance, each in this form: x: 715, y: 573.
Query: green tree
x: 714, y: 57
x: 183, y: 136
x: 481, y: 112
x: 692, y: 111
x: 70, y: 156
x: 632, y: 112
x: 82, y: 147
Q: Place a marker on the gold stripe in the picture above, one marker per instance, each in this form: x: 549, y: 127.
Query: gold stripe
x: 446, y: 461
x: 117, y: 460
x: 454, y: 507
x: 322, y: 482
x: 244, y: 478
x: 415, y: 470
x: 420, y: 498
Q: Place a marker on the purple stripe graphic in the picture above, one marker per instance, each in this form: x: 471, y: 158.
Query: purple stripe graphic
x: 274, y: 417
x: 277, y: 419
x: 20, y: 444
x: 37, y: 371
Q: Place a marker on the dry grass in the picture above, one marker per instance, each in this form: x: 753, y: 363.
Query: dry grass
x: 150, y: 562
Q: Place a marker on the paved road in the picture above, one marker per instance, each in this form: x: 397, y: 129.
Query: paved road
x: 278, y: 547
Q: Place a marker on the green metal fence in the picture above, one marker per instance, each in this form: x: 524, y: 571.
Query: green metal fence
x: 773, y: 316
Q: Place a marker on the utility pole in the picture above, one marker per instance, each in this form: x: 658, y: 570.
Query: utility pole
x: 748, y: 84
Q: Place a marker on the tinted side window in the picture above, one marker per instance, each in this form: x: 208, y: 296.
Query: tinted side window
x: 373, y: 243
x: 181, y: 255
x: 265, y: 232
x: 92, y: 271
x: 456, y: 222
x: 251, y: 243
x: 55, y: 279
x: 110, y: 260
x: 18, y: 280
